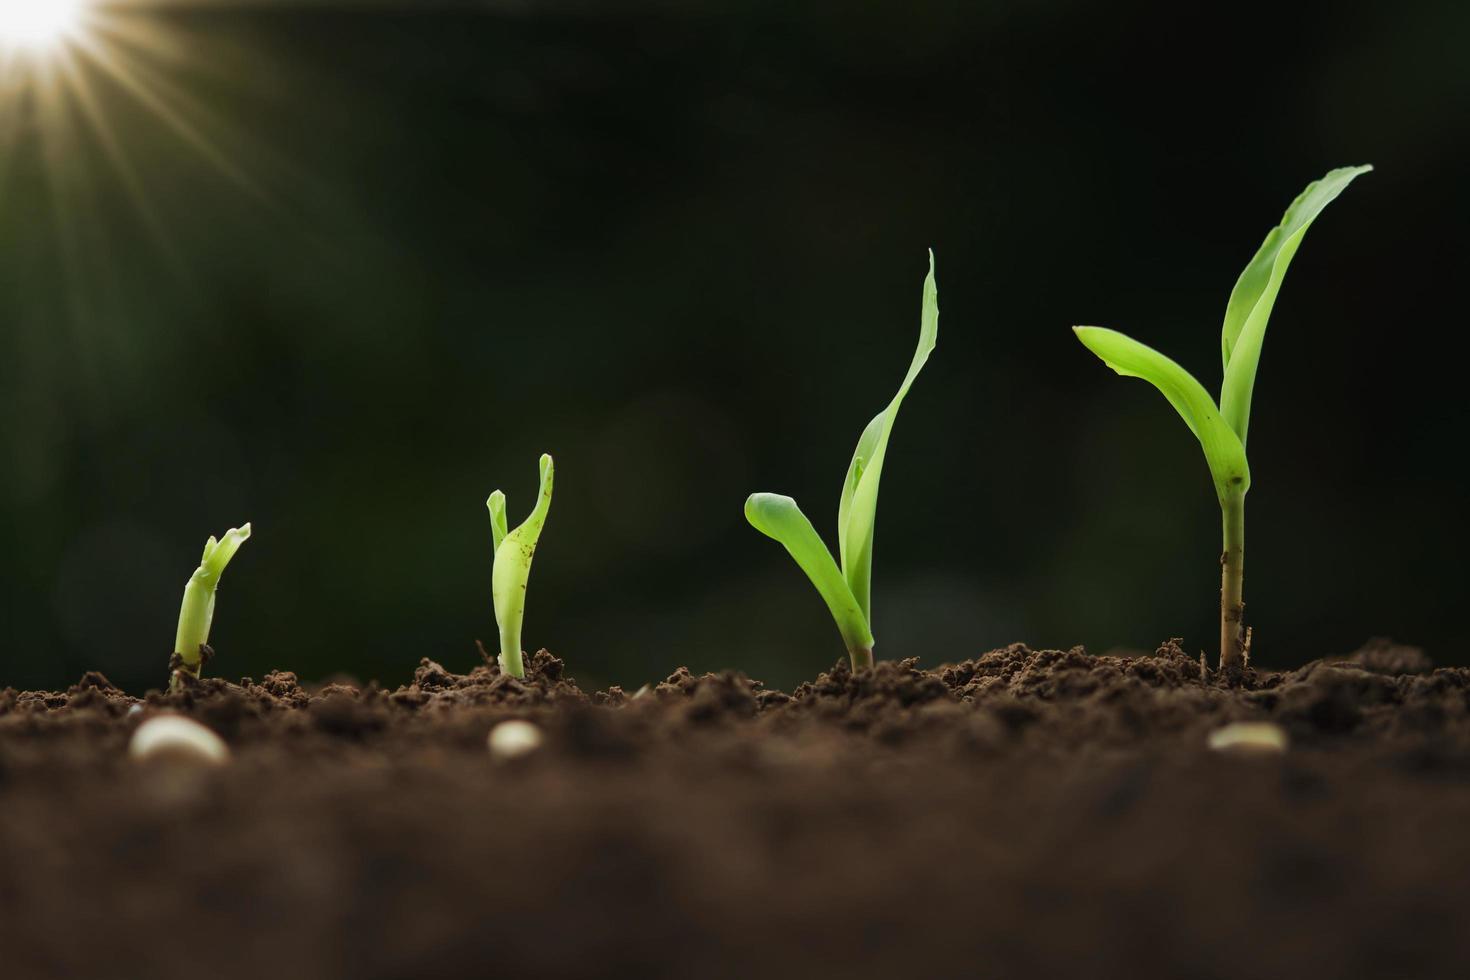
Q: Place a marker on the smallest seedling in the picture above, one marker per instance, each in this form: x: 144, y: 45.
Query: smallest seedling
x: 513, y: 553
x: 197, y: 612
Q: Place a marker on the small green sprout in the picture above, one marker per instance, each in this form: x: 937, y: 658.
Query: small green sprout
x: 1221, y: 430
x: 513, y: 553
x: 197, y: 612
x: 848, y: 590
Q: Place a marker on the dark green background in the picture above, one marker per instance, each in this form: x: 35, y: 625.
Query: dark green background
x: 680, y: 246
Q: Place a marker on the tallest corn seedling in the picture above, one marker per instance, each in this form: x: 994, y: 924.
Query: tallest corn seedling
x: 1221, y: 429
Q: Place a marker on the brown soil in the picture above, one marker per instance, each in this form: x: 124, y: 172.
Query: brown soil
x: 1028, y: 813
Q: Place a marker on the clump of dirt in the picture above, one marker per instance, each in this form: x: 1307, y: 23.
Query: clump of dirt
x: 1021, y: 813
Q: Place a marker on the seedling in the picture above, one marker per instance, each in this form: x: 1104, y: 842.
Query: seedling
x: 1221, y: 429
x: 197, y: 612
x: 848, y: 590
x: 513, y: 553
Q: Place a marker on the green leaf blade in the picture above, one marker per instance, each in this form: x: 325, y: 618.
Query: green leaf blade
x: 496, y: 506
x: 779, y: 518
x: 1223, y: 451
x: 858, y: 508
x: 217, y: 557
x: 1254, y: 295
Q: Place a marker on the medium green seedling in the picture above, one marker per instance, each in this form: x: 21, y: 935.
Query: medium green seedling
x: 848, y: 590
x: 513, y: 553
x: 1221, y: 430
x: 196, y: 615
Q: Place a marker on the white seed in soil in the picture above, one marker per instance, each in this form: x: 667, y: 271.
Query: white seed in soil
x: 1249, y: 738
x: 173, y: 738
x: 513, y: 739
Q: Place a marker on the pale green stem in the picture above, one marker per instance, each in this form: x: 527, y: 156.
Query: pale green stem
x: 1232, y: 576
x: 861, y: 656
x: 510, y: 649
x: 195, y: 617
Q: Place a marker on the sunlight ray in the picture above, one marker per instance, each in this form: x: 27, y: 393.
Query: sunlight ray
x: 149, y: 90
x: 86, y: 97
x: 74, y: 161
x: 57, y: 140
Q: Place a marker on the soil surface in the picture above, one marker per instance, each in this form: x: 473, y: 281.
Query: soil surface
x: 1026, y: 813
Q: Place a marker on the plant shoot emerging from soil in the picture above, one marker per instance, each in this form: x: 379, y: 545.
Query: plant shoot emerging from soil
x: 1221, y: 430
x: 197, y: 612
x: 513, y: 553
x: 848, y: 590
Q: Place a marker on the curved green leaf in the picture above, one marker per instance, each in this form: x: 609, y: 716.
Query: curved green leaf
x: 1223, y: 451
x: 496, y: 506
x: 1255, y: 294
x: 858, y: 509
x: 512, y: 569
x: 779, y: 518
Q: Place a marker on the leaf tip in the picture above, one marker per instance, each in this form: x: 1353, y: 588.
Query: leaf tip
x: 753, y: 511
x: 757, y: 504
x: 1347, y: 174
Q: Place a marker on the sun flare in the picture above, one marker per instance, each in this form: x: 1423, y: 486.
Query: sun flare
x: 39, y: 24
x: 99, y: 99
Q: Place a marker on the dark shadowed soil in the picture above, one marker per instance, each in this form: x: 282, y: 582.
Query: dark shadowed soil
x: 1029, y: 813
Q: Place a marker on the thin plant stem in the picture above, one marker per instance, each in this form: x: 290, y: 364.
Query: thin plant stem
x: 195, y: 617
x: 1232, y: 577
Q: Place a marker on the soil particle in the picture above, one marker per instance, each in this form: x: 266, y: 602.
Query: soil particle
x: 1022, y: 813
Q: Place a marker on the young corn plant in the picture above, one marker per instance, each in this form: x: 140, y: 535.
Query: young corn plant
x: 1221, y: 429
x: 196, y: 615
x: 847, y: 590
x: 513, y: 553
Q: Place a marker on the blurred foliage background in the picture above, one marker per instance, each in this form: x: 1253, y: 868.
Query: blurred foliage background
x: 341, y: 270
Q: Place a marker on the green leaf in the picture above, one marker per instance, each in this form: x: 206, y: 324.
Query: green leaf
x: 1255, y: 294
x: 1223, y: 450
x: 779, y: 518
x: 857, y: 512
x: 512, y: 569
x: 217, y: 553
x: 496, y: 506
